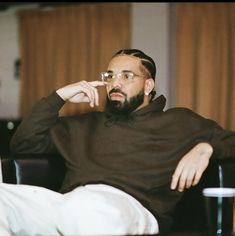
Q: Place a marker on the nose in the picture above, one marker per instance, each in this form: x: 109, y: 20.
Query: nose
x: 117, y: 82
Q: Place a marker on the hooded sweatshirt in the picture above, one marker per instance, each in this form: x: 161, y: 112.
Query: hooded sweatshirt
x: 137, y: 153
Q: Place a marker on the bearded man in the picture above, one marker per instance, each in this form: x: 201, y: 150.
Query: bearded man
x: 124, y: 165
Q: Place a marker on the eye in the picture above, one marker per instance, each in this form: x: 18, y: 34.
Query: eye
x: 127, y: 75
x: 109, y: 76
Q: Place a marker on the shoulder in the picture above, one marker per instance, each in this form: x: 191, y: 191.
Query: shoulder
x: 187, y: 115
x: 181, y: 111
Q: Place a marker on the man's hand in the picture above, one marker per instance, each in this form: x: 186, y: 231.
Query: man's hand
x: 82, y: 91
x: 191, y: 167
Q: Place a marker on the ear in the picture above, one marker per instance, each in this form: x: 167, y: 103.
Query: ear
x: 149, y: 86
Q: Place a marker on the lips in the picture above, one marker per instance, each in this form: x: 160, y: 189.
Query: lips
x: 116, y: 95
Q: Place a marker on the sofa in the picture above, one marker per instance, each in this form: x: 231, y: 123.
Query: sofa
x: 48, y: 171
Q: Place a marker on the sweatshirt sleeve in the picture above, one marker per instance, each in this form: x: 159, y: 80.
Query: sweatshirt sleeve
x: 33, y: 134
x: 223, y: 143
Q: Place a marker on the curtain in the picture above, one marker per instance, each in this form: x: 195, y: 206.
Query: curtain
x: 205, y: 51
x: 66, y: 45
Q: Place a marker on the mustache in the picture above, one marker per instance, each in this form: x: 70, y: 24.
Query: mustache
x: 117, y: 90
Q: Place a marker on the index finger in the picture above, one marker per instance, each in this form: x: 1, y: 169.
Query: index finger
x: 97, y: 83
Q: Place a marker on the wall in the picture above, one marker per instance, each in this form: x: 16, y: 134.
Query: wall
x: 9, y: 52
x: 150, y: 32
x: 9, y: 86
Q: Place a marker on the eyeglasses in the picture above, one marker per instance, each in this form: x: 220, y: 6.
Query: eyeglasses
x: 125, y: 76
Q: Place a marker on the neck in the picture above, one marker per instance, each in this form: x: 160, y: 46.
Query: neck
x: 145, y: 102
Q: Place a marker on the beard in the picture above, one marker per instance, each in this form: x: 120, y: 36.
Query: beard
x: 119, y: 108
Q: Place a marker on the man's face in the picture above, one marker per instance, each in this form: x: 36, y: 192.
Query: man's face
x: 126, y: 95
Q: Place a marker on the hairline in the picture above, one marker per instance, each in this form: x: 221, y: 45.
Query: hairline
x: 143, y: 69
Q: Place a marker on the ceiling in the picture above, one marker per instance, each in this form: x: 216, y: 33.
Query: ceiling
x: 6, y: 5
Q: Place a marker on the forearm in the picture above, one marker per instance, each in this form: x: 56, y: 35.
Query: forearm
x: 33, y: 134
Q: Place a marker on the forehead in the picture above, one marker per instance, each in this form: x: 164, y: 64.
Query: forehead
x: 125, y: 62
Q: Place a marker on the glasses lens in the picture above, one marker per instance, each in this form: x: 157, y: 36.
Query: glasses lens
x: 107, y: 76
x: 127, y: 75
x: 124, y: 75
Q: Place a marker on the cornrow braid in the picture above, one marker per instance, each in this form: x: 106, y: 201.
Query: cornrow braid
x: 146, y: 61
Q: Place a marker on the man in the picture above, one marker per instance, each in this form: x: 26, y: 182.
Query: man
x: 123, y: 164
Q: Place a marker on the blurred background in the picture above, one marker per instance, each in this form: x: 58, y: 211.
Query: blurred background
x: 44, y: 46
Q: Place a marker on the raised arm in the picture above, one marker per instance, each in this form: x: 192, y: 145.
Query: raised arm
x: 33, y: 134
x: 81, y: 92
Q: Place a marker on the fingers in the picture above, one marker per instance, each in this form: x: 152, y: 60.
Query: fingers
x: 184, y: 178
x: 189, y: 178
x: 197, y: 177
x: 82, y: 91
x: 176, y: 176
x: 90, y: 92
x: 188, y: 173
x: 181, y: 178
x: 97, y: 83
x: 192, y: 178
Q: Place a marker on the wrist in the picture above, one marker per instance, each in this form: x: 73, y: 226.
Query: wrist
x: 205, y: 149
x: 61, y: 94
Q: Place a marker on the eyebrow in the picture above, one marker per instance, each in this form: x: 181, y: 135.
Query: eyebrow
x: 121, y: 71
x: 127, y: 71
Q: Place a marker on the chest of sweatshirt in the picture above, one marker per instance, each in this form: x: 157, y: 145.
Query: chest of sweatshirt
x: 152, y: 141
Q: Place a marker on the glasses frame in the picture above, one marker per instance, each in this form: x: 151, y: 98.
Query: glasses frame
x: 120, y: 75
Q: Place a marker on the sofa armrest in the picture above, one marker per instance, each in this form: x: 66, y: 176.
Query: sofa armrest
x: 8, y: 170
x: 190, y: 211
x: 41, y: 170
x: 226, y: 172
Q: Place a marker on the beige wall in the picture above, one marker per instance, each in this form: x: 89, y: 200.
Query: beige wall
x: 9, y: 87
x: 150, y: 32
